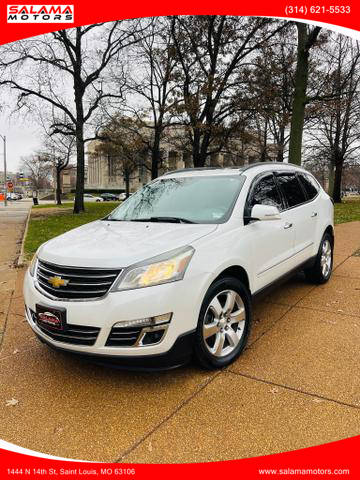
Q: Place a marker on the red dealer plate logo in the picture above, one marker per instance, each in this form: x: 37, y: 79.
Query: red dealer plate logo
x: 49, y: 320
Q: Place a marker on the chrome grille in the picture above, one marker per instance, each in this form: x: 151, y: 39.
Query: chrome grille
x: 123, y: 337
x: 74, y: 334
x: 83, y: 283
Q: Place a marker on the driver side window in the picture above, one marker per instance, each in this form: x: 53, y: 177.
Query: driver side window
x: 265, y: 192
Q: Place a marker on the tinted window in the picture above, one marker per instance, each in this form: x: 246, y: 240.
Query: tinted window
x: 265, y: 193
x: 310, y: 185
x: 292, y: 190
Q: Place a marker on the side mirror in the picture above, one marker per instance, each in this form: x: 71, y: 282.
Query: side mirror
x: 265, y: 212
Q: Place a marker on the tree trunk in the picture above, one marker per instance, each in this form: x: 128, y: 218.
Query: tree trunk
x: 281, y: 145
x: 79, y: 90
x: 80, y: 146
x: 58, y: 186
x: 337, y: 181
x: 263, y: 156
x: 80, y: 169
x: 306, y: 40
x: 331, y: 178
x: 299, y: 99
x: 127, y: 184
x: 155, y: 156
x: 280, y: 154
x: 197, y: 159
x: 204, y: 148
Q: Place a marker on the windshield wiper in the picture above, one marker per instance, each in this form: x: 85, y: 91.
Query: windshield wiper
x: 163, y: 219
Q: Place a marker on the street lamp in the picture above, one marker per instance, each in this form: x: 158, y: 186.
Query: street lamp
x: 5, y: 173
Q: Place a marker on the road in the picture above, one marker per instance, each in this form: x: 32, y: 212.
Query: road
x: 15, y: 212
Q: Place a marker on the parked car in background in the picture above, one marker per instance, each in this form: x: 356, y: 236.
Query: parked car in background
x: 91, y: 198
x: 13, y: 196
x: 122, y: 196
x: 109, y: 197
x: 171, y: 272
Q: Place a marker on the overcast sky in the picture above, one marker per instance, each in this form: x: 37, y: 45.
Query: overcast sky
x: 22, y: 138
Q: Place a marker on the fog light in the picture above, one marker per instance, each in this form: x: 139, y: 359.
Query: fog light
x: 145, y: 322
x: 153, y: 337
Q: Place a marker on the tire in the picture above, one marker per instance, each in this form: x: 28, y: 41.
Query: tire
x: 321, y: 271
x: 219, y: 349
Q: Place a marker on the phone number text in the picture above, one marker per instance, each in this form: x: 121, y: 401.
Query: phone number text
x: 317, y: 9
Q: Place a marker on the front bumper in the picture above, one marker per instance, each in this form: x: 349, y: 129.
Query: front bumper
x: 179, y: 354
x: 182, y: 298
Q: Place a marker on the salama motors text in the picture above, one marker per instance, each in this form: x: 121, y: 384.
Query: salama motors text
x: 40, y: 13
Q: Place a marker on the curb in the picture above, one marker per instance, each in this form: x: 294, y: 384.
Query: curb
x: 20, y: 262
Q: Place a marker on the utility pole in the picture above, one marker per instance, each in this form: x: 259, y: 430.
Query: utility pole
x: 5, y: 173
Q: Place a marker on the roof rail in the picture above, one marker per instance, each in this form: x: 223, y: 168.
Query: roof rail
x: 260, y: 164
x: 199, y: 169
x: 241, y: 168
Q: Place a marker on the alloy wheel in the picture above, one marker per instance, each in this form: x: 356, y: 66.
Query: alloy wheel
x: 326, y: 258
x: 224, y: 323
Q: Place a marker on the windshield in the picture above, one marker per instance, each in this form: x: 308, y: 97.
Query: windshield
x: 197, y: 199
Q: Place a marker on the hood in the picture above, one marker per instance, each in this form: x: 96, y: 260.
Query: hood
x: 106, y: 244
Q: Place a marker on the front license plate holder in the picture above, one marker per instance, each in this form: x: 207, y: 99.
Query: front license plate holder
x: 50, y: 318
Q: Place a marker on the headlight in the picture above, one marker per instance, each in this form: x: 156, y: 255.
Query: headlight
x: 169, y: 267
x: 32, y: 266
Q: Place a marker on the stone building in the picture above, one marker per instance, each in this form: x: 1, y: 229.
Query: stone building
x: 68, y: 178
x: 104, y: 172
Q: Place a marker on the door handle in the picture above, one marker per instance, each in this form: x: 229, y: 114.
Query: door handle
x: 288, y: 225
x: 314, y: 214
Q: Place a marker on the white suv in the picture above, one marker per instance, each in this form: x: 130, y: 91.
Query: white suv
x: 171, y: 271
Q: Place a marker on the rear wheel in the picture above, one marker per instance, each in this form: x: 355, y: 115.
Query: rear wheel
x: 224, y: 323
x: 322, y: 268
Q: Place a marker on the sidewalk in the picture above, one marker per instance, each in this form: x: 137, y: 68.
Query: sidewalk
x: 296, y: 385
x: 12, y: 224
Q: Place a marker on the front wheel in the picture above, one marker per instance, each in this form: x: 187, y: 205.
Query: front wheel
x: 224, y: 323
x: 322, y: 268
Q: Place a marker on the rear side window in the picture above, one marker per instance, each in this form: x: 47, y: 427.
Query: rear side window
x: 309, y: 185
x: 291, y: 189
x: 265, y: 192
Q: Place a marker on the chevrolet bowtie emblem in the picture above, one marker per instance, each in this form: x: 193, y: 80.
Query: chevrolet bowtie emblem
x: 58, y: 282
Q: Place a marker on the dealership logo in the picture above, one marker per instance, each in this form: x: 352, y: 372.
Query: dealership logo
x: 40, y: 14
x: 50, y: 319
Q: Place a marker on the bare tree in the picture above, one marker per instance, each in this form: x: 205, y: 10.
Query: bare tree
x: 59, y: 150
x: 335, y: 128
x: 152, y: 81
x: 45, y: 69
x: 38, y: 169
x: 124, y: 148
x: 307, y: 37
x: 214, y: 53
x: 271, y: 85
